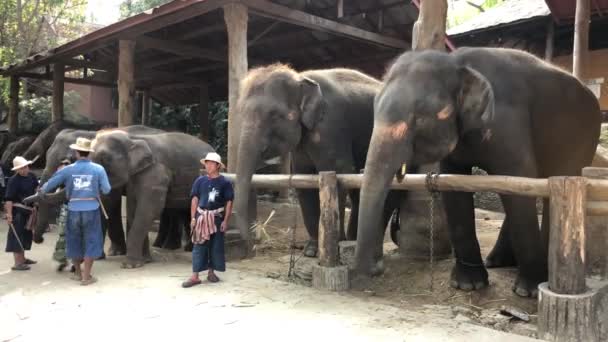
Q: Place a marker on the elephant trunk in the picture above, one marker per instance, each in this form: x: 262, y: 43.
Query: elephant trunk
x: 384, y: 158
x: 45, y: 209
x: 249, y: 154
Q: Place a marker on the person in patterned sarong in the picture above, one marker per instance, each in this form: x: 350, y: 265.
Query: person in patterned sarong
x: 59, y: 253
x: 211, y: 207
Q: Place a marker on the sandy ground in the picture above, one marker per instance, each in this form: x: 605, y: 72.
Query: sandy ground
x: 149, y: 304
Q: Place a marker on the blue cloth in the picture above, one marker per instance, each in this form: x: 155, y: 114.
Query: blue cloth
x: 209, y: 254
x: 83, y: 179
x: 83, y: 235
x: 212, y: 193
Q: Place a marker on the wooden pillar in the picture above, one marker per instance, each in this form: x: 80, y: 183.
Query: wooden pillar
x: 236, y: 17
x: 203, y: 113
x: 550, y: 40
x: 145, y: 108
x: 581, y: 38
x: 596, y: 232
x: 568, y: 197
x: 429, y: 29
x: 13, y: 106
x: 58, y: 90
x: 285, y: 169
x: 126, y: 82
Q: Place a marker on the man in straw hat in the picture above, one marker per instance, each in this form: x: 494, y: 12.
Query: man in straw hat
x: 210, y: 209
x: 21, y: 185
x: 83, y: 181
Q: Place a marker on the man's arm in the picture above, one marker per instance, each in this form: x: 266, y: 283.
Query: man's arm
x: 8, y: 209
x: 227, y: 213
x: 104, y: 183
x: 193, y: 206
x: 56, y: 180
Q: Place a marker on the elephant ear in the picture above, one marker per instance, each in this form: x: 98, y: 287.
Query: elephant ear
x: 476, y: 100
x: 140, y: 156
x: 310, y: 105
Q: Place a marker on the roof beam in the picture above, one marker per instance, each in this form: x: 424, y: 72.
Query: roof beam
x: 98, y: 83
x: 180, y: 49
x: 81, y: 63
x: 268, y: 9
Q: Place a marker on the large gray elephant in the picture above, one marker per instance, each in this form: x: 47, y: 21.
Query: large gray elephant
x: 503, y: 110
x: 60, y: 150
x: 157, y: 170
x: 324, y: 117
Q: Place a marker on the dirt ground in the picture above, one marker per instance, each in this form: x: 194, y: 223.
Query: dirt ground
x: 148, y: 303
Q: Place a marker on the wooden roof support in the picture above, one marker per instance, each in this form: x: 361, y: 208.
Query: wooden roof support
x: 268, y: 9
x: 180, y: 49
x: 581, y: 38
x: 13, y: 106
x: 58, y: 89
x: 429, y: 29
x: 126, y: 82
x: 81, y: 63
x: 550, y: 41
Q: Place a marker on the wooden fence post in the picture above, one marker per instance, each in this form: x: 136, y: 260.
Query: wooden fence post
x: 566, y: 309
x: 596, y: 233
x: 329, y: 274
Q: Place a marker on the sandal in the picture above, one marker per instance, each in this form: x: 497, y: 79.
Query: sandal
x: 30, y: 262
x: 21, y: 267
x: 190, y: 282
x: 76, y: 277
x: 213, y: 278
x: 89, y: 281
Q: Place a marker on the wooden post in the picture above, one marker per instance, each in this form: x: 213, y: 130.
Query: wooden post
x: 145, y: 108
x: 58, y: 89
x: 340, y: 8
x: 581, y: 38
x: 285, y: 169
x: 596, y: 232
x: 13, y: 106
x: 429, y: 29
x: 236, y: 17
x: 568, y: 197
x: 126, y: 82
x: 329, y: 274
x: 203, y: 113
x: 550, y: 40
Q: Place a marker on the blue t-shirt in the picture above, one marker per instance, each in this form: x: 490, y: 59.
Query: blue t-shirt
x: 212, y: 193
x: 83, y: 179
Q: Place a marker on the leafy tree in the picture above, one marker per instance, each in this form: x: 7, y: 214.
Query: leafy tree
x: 132, y: 7
x: 35, y: 112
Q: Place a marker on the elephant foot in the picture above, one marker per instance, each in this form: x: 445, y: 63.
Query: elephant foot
x: 469, y: 277
x: 371, y: 270
x: 500, y: 258
x: 116, y: 251
x: 311, y: 248
x: 132, y: 263
x: 188, y: 247
x: 172, y: 245
x: 527, y: 286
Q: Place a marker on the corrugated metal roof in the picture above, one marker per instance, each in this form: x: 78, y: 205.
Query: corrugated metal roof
x: 565, y: 9
x: 510, y: 11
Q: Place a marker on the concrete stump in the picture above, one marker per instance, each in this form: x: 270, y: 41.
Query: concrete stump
x: 581, y: 317
x: 330, y: 278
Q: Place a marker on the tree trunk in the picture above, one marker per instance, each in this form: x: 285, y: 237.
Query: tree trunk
x: 126, y: 82
x: 58, y: 89
x: 429, y: 29
x: 236, y: 17
x: 581, y: 38
x: 12, y: 120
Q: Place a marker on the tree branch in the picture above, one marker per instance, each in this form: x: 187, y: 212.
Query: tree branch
x: 478, y: 7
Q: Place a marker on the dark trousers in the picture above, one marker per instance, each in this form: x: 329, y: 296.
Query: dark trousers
x: 209, y: 254
x: 20, y: 217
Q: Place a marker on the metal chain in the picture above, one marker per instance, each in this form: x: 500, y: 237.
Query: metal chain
x: 431, y: 185
x: 290, y: 190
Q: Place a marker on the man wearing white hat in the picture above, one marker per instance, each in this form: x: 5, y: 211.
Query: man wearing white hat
x: 83, y: 182
x: 211, y: 207
x: 21, y: 185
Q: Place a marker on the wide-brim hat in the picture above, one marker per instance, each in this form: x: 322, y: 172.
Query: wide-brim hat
x: 212, y: 156
x: 82, y: 144
x: 19, y: 163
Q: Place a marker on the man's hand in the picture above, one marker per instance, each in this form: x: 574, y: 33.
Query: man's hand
x: 192, y: 223
x: 224, y: 226
x: 9, y: 219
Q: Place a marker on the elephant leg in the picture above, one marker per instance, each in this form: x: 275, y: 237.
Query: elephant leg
x: 502, y: 254
x: 141, y: 216
x: 116, y: 233
x: 309, y: 204
x: 163, y: 229
x: 351, y: 231
x: 525, y: 238
x: 173, y: 239
x: 469, y: 272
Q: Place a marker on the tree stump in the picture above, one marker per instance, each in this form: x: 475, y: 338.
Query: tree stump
x: 329, y: 274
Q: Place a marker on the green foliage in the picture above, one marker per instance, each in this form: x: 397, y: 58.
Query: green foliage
x: 218, y: 120
x: 131, y: 7
x: 35, y: 114
x: 461, y: 11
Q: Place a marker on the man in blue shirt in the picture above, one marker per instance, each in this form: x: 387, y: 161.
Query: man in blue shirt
x: 83, y: 182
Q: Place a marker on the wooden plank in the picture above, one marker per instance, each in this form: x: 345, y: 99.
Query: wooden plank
x: 429, y: 29
x: 268, y: 9
x: 180, y: 49
x: 13, y: 105
x: 236, y: 17
x: 126, y: 82
x: 58, y: 90
x: 329, y: 221
x: 567, y: 235
x: 581, y: 38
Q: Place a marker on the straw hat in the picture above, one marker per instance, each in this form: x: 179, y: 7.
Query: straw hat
x: 19, y: 162
x: 212, y: 156
x: 82, y: 144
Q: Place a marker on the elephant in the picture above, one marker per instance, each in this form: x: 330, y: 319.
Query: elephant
x: 45, y: 139
x: 157, y: 172
x: 16, y: 148
x: 502, y: 110
x: 323, y: 117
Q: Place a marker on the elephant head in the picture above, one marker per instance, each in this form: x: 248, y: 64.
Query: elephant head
x: 428, y: 103
x: 121, y: 156
x: 276, y: 105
